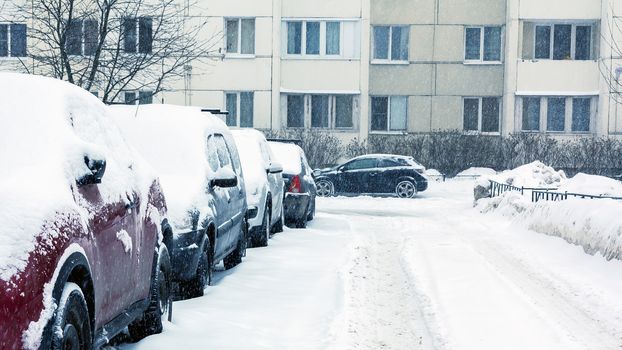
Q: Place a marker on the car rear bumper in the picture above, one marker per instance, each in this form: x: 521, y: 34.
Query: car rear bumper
x: 295, y: 206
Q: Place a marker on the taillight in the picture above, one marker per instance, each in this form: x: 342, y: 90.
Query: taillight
x: 295, y: 185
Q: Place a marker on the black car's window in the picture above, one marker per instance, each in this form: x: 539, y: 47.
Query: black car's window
x: 388, y: 163
x: 212, y: 154
x: 360, y: 164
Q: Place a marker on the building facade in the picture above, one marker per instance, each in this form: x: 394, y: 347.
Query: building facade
x: 361, y: 67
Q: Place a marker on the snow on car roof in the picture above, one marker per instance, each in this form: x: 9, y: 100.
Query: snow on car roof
x: 394, y: 156
x: 48, y: 127
x: 254, y: 161
x: 173, y: 139
x: 289, y: 155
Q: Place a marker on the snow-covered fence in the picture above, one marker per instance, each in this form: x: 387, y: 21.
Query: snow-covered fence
x: 497, y: 189
x: 562, y: 196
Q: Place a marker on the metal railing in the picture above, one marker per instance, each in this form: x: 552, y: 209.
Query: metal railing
x: 562, y: 196
x: 497, y: 189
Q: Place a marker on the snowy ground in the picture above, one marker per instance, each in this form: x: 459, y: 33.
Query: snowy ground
x: 428, y: 273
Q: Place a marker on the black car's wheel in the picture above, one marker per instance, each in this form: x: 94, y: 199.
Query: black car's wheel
x: 406, y: 189
x: 235, y: 257
x: 311, y: 214
x: 72, y: 328
x: 262, y: 238
x: 195, y: 287
x: 151, y: 320
x: 325, y: 188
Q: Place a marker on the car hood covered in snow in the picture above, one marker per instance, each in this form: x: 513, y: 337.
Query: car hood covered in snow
x: 48, y: 128
x: 173, y: 139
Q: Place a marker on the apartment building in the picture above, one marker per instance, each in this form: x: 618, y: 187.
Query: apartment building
x: 361, y: 67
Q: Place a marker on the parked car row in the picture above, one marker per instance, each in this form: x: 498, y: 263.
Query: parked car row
x: 106, y: 209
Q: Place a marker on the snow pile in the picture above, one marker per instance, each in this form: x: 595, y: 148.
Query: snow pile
x: 594, y: 225
x: 434, y: 174
x: 48, y: 127
x: 475, y: 171
x: 173, y: 139
x: 289, y: 155
x: 535, y: 174
x: 592, y: 184
x: 255, y: 162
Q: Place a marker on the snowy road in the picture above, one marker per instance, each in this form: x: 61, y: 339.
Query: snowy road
x: 429, y: 273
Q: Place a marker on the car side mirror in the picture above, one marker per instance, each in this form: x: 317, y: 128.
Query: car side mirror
x: 275, y: 168
x: 97, y: 168
x: 224, y: 178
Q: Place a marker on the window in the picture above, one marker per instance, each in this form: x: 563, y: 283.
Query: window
x: 531, y: 114
x: 482, y: 44
x: 389, y: 113
x: 12, y: 40
x: 481, y: 114
x: 391, y: 43
x: 240, y: 106
x: 240, y: 36
x: 81, y: 37
x: 138, y: 97
x: 319, y: 38
x: 388, y: 163
x: 138, y: 35
x: 581, y: 114
x: 359, y: 164
x: 563, y: 41
x: 321, y: 111
x: 557, y: 113
x: 333, y: 38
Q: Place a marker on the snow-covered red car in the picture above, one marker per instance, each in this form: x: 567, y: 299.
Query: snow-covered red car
x: 264, y: 185
x: 80, y: 213
x: 300, y: 190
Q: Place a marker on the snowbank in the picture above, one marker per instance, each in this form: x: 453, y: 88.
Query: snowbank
x: 475, y: 171
x: 592, y: 184
x: 173, y: 139
x: 594, y: 225
x: 535, y: 174
x: 48, y: 127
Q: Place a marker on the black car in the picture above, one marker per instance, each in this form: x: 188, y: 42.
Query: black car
x: 381, y: 174
x: 300, y: 191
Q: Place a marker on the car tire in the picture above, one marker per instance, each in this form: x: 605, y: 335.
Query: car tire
x: 261, y: 240
x: 278, y: 227
x: 72, y: 325
x: 196, y: 286
x: 151, y: 320
x: 406, y: 189
x: 325, y: 188
x: 302, y: 222
x: 311, y: 214
x: 235, y: 257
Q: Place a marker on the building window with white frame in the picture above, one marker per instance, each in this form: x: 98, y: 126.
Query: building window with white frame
x: 240, y: 106
x: 482, y: 114
x: 482, y: 44
x: 81, y: 37
x: 562, y: 41
x: 389, y: 113
x: 390, y: 43
x: 333, y: 39
x: 557, y: 114
x: 321, y: 111
x: 240, y: 36
x: 13, y: 40
x: 143, y: 97
x: 138, y: 35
